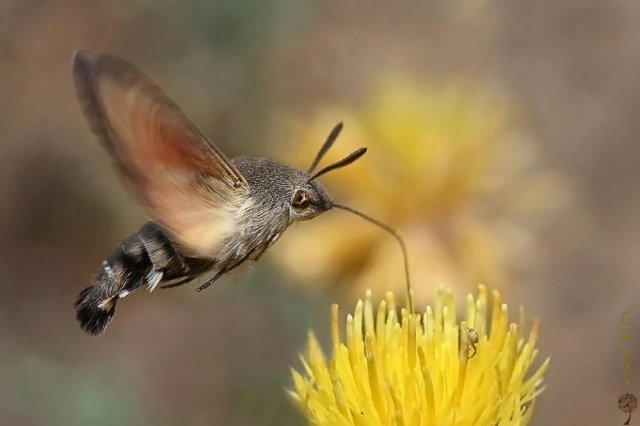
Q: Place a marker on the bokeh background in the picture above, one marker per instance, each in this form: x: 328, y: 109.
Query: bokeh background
x: 502, y: 142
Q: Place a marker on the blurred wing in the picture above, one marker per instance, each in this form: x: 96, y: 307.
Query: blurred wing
x: 188, y: 185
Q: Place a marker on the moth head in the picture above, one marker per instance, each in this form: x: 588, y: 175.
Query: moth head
x: 309, y: 198
x: 316, y: 200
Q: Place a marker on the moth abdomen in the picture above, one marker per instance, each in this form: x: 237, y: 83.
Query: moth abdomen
x: 94, y: 311
x: 146, y: 257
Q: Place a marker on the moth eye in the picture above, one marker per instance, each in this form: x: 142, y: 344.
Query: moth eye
x: 300, y: 200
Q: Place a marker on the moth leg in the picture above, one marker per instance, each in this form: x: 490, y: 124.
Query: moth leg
x: 212, y: 280
x: 224, y: 270
x: 265, y: 246
x: 177, y: 283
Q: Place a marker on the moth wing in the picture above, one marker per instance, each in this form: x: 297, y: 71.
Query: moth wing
x: 186, y: 182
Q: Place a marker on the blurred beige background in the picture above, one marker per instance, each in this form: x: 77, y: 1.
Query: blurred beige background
x: 568, y: 69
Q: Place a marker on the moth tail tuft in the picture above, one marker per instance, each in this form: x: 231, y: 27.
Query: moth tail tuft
x: 93, y: 311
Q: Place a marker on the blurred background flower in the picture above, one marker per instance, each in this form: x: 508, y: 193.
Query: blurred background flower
x: 447, y: 166
x: 397, y: 368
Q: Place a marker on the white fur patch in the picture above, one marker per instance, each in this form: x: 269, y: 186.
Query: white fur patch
x: 106, y: 305
x: 108, y: 270
x: 153, y: 278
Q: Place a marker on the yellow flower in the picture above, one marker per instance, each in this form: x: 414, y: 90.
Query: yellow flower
x: 446, y: 167
x: 397, y: 368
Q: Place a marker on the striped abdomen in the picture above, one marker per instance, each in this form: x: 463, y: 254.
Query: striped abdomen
x: 146, y: 257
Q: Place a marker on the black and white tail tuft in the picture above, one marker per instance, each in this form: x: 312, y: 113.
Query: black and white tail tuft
x: 93, y: 311
x: 147, y: 257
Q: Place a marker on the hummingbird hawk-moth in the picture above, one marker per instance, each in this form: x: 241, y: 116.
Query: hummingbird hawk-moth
x: 210, y: 214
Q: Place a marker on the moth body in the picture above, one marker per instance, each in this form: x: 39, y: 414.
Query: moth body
x: 210, y: 214
x: 149, y: 257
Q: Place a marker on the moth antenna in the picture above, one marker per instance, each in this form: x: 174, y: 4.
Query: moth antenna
x: 344, y: 162
x: 325, y: 146
x: 398, y: 237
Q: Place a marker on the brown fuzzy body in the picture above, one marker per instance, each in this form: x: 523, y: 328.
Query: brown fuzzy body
x: 210, y: 214
x: 150, y: 258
